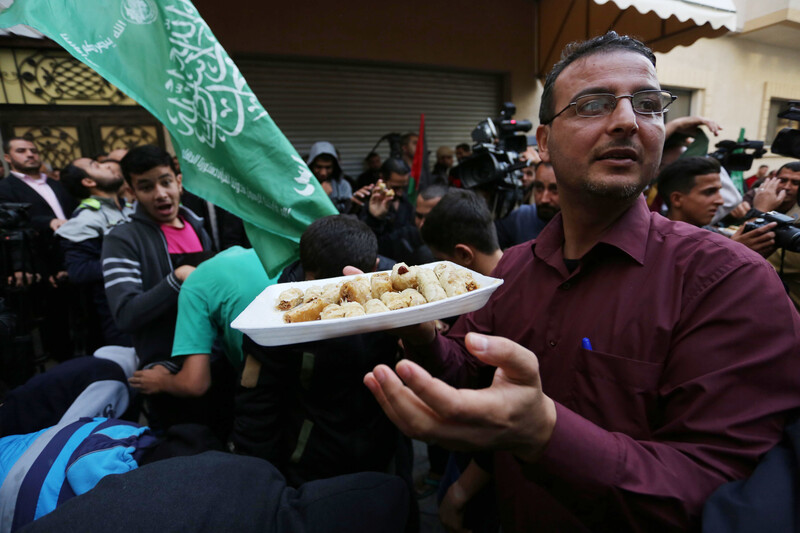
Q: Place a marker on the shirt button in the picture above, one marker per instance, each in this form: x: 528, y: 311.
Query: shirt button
x: 553, y: 343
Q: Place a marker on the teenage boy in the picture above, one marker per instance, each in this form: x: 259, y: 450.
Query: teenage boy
x: 146, y: 261
x: 460, y: 229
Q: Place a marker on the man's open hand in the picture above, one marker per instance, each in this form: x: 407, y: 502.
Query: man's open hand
x: 512, y: 414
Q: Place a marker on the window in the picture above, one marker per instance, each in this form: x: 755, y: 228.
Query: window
x: 682, y: 107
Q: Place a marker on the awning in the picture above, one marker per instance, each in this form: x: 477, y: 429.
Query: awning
x: 661, y: 24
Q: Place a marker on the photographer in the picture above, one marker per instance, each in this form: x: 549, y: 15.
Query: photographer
x: 391, y: 216
x: 781, y: 196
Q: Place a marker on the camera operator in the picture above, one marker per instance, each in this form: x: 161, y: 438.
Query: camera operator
x: 691, y: 189
x: 780, y: 195
x: 50, y: 204
x: 50, y: 201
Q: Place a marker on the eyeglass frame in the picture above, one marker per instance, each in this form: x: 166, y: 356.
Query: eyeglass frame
x: 616, y: 101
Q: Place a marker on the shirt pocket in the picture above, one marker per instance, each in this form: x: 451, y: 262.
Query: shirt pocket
x: 617, y: 393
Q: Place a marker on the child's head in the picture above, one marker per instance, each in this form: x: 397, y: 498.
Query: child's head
x: 331, y: 243
x: 459, y: 221
x: 151, y: 175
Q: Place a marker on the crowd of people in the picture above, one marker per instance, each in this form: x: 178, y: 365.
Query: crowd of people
x: 636, y: 366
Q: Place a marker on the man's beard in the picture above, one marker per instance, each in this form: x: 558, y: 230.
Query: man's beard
x: 33, y: 169
x: 111, y: 186
x: 546, y: 212
x: 616, y: 192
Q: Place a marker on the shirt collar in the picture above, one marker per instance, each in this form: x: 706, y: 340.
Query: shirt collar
x: 24, y: 177
x: 628, y: 234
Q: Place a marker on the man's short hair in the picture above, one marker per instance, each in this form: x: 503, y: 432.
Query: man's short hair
x: 610, y: 42
x: 394, y: 165
x: 460, y: 217
x: 71, y: 177
x: 331, y: 243
x: 794, y: 166
x: 680, y: 175
x: 463, y: 146
x: 436, y: 190
x: 143, y: 158
x: 7, y: 143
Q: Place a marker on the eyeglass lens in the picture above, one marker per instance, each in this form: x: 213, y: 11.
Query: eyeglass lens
x: 643, y: 102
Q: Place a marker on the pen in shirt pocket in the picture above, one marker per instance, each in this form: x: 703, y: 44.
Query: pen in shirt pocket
x: 586, y: 344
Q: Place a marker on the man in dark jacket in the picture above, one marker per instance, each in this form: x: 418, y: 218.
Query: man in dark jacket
x: 49, y: 207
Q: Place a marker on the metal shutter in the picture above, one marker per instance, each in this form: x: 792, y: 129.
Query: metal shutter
x: 352, y: 106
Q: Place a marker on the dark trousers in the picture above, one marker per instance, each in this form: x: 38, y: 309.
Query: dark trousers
x: 215, y: 491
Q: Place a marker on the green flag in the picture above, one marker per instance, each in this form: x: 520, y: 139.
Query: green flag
x: 162, y: 54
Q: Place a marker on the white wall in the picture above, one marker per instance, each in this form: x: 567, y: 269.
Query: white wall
x: 734, y: 79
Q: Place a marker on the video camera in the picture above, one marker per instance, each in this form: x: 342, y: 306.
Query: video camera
x: 787, y: 235
x: 787, y: 142
x: 13, y: 216
x: 738, y: 155
x: 16, y: 238
x: 494, y: 163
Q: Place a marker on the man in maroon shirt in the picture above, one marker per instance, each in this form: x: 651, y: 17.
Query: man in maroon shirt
x: 639, y: 363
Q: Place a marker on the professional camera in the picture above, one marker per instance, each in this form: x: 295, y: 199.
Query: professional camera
x: 16, y: 240
x: 787, y: 235
x: 494, y: 163
x: 738, y: 155
x: 13, y: 216
x: 787, y: 142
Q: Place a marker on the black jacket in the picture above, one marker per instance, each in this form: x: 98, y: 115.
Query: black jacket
x: 40, y: 252
x: 310, y: 413
x: 140, y: 282
x: 398, y: 236
x: 13, y: 189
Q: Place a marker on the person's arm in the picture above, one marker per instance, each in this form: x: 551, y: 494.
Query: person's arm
x: 82, y: 260
x: 471, y: 481
x: 263, y: 402
x: 131, y: 306
x: 193, y: 379
x: 690, y: 125
x: 723, y: 396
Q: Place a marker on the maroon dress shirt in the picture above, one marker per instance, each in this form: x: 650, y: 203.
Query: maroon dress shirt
x: 693, y: 370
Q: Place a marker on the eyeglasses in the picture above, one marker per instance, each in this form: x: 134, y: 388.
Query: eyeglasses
x: 649, y: 103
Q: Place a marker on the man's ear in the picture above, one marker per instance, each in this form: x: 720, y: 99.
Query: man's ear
x: 463, y: 254
x: 88, y: 183
x: 542, y: 139
x: 179, y: 178
x: 675, y: 199
x: 7, y: 158
x: 377, y: 261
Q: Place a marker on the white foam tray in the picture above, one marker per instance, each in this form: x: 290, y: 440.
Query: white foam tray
x: 265, y: 325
